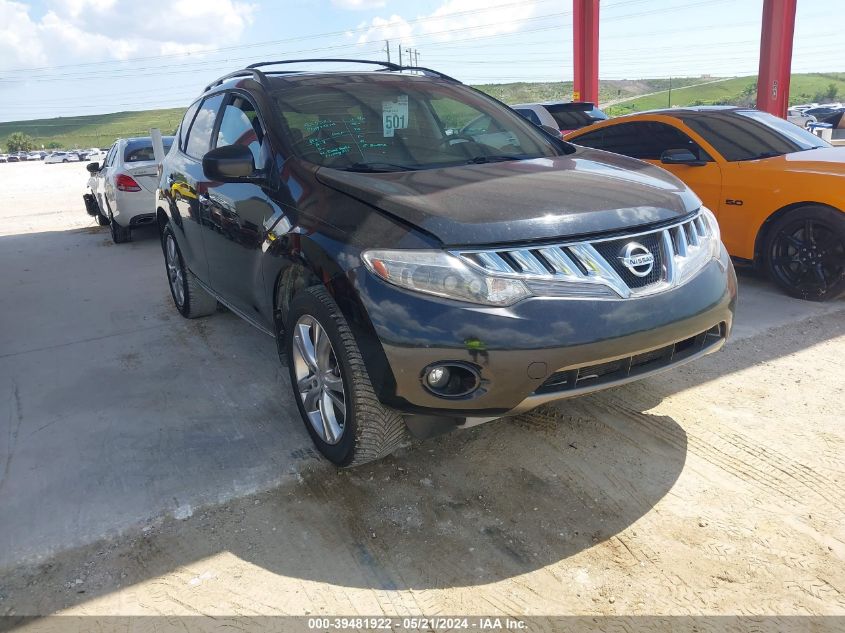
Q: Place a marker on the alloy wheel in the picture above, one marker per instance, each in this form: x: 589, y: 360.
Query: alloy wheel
x: 809, y: 256
x: 175, y: 275
x: 318, y: 379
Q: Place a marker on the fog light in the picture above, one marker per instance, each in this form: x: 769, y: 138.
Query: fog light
x: 451, y: 379
x: 438, y: 377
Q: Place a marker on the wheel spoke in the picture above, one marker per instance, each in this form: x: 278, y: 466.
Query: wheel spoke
x: 808, y: 232
x: 305, y: 384
x: 310, y: 398
x: 335, y: 398
x: 330, y: 424
x: 794, y: 241
x: 302, y: 339
x: 335, y: 383
x: 322, y: 347
x: 819, y: 274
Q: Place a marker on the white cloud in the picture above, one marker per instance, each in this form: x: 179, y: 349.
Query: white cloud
x: 358, y: 5
x: 476, y: 18
x: 392, y: 28
x: 73, y: 31
x: 454, y: 19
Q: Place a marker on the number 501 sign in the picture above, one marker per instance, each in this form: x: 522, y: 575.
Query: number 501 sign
x: 394, y: 115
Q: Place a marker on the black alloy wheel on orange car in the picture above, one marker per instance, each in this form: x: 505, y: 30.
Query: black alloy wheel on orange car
x: 806, y: 253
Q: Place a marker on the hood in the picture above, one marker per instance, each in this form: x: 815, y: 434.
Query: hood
x: 586, y: 192
x: 825, y: 160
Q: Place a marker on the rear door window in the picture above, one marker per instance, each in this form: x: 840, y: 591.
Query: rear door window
x: 199, y: 138
x: 186, y: 124
x: 569, y: 117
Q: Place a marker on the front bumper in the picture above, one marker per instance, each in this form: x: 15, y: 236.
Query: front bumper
x: 517, y: 350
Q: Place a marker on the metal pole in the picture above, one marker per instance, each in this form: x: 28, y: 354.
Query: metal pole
x: 670, y: 91
x: 387, y: 48
x: 585, y: 43
x: 778, y: 28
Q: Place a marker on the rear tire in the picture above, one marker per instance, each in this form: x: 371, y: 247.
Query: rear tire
x: 119, y: 234
x: 190, y: 299
x: 805, y: 253
x: 368, y: 430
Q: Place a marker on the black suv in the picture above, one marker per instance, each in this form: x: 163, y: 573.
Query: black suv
x: 417, y: 278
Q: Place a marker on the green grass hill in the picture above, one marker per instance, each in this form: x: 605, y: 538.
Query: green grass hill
x: 622, y: 97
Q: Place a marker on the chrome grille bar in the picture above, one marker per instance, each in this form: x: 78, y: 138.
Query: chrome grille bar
x: 581, y: 262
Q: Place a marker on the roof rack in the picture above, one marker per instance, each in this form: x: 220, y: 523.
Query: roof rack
x: 261, y: 77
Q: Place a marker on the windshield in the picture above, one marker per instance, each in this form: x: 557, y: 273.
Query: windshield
x: 751, y: 134
x: 572, y: 117
x: 404, y: 123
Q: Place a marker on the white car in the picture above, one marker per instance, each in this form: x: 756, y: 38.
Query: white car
x: 97, y: 155
x: 799, y: 118
x: 62, y: 157
x: 565, y: 116
x: 123, y: 186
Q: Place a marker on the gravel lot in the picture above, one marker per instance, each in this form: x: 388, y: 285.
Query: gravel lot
x: 151, y: 465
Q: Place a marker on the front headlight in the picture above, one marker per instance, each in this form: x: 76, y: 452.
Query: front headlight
x: 713, y: 225
x: 444, y: 275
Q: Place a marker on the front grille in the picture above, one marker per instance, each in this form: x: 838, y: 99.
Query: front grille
x: 612, y: 251
x: 565, y: 380
x: 598, y: 267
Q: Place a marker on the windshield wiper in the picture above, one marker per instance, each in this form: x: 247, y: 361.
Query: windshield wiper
x: 480, y: 160
x: 377, y: 167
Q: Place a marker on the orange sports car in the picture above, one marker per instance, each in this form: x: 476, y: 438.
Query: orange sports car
x: 777, y: 190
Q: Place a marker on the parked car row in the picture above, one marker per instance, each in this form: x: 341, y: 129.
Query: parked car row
x: 17, y: 157
x: 63, y: 156
x: 428, y: 259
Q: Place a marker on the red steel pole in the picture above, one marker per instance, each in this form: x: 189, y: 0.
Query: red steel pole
x: 585, y: 41
x: 775, y: 56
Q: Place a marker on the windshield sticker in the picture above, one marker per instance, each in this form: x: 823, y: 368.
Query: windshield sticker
x: 332, y: 138
x: 394, y: 115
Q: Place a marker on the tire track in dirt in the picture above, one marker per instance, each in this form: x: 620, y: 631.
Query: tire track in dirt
x: 736, y: 454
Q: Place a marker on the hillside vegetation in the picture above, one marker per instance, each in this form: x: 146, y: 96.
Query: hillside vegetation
x: 96, y: 130
x: 803, y: 88
x: 626, y: 96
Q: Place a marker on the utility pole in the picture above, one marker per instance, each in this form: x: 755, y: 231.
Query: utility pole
x: 416, y: 57
x: 387, y: 49
x: 400, y: 54
x: 670, y: 91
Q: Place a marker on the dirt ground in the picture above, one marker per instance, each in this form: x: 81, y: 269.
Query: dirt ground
x: 716, y: 489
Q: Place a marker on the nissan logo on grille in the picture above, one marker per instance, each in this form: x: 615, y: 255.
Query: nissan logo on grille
x: 637, y: 258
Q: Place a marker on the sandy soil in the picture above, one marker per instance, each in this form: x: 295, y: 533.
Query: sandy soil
x: 716, y: 489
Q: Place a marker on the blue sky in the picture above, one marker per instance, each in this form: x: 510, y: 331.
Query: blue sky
x: 72, y: 57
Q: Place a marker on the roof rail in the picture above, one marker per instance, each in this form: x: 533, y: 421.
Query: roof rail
x: 388, y: 66
x: 256, y: 74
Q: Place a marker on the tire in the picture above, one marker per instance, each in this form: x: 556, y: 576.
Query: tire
x: 119, y: 234
x: 190, y: 299
x: 369, y: 430
x: 64, y: 160
x: 805, y: 253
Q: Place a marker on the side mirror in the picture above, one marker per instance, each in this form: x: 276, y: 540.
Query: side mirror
x: 93, y: 168
x: 681, y: 157
x: 548, y: 129
x: 231, y: 163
